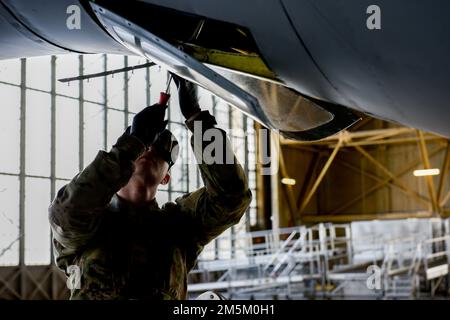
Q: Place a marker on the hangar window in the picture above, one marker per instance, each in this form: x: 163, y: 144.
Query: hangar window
x: 49, y: 131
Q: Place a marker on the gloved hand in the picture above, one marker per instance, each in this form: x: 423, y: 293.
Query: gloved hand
x: 187, y: 94
x: 149, y: 123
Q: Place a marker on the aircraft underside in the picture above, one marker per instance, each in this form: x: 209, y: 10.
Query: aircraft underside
x: 305, y: 68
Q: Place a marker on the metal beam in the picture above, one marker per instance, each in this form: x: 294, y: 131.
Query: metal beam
x: 105, y: 103
x: 352, y: 135
x: 233, y: 228
x: 148, y: 98
x: 427, y: 165
x: 360, y: 124
x: 44, y: 282
x: 386, y: 142
x: 365, y: 134
x: 381, y: 184
x: 389, y: 134
x: 52, y: 144
x: 23, y: 111
x: 388, y: 173
x: 7, y: 283
x: 38, y: 284
x: 445, y: 200
x: 312, y: 168
x: 444, y: 172
x: 288, y: 189
x: 365, y: 138
x: 320, y: 177
x: 364, y: 217
x: 246, y: 167
x: 126, y: 107
x: 275, y: 149
x: 80, y: 115
x: 82, y: 77
x: 375, y: 177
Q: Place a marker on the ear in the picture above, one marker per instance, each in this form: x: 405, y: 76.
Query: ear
x: 166, y: 179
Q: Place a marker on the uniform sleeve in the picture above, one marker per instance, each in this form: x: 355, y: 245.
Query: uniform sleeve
x: 223, y: 200
x: 77, y: 210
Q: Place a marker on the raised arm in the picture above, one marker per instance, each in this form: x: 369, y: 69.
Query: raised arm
x: 225, y: 197
x: 223, y: 200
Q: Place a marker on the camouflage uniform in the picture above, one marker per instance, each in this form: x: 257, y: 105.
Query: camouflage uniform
x: 129, y: 252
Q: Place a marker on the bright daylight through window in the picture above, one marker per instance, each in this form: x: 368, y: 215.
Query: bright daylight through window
x: 52, y: 130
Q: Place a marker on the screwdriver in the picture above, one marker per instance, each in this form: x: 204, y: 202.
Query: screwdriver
x: 165, y: 96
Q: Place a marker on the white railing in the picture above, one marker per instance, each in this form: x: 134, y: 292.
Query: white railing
x: 323, y: 257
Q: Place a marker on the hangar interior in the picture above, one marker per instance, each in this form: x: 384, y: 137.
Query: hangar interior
x: 345, y: 217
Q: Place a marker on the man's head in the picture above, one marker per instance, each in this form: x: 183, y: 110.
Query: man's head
x: 153, y: 166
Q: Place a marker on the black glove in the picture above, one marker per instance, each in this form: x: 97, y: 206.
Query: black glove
x: 187, y: 94
x: 149, y: 123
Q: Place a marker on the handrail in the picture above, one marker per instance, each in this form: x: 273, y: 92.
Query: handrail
x: 288, y: 240
x: 285, y: 255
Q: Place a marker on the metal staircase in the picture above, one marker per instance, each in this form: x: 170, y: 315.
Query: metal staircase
x: 400, y: 267
x: 319, y: 261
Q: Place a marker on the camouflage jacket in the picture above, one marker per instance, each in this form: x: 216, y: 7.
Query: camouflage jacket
x: 128, y: 252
